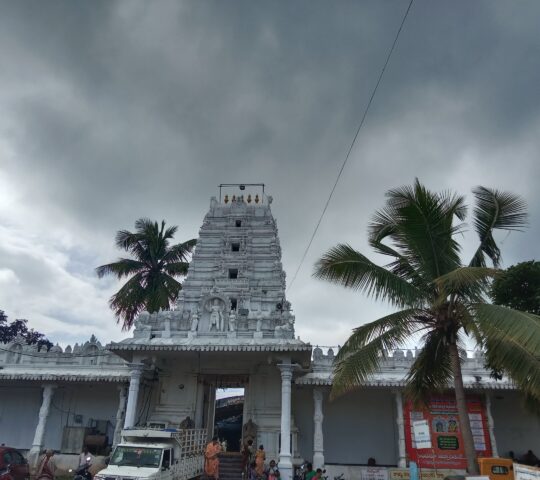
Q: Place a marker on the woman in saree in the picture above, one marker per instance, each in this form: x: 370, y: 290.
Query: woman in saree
x: 260, y: 457
x: 211, y: 460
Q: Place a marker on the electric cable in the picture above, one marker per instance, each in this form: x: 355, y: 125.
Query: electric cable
x: 366, y: 110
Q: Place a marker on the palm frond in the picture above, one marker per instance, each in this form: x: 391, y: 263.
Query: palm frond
x: 431, y: 371
x: 453, y: 204
x: 124, y: 239
x: 354, y: 368
x: 176, y: 268
x: 511, y: 340
x: 518, y: 362
x: 468, y: 282
x: 129, y: 301
x: 400, y: 266
x: 146, y: 226
x: 345, y: 266
x: 500, y: 323
x: 495, y: 210
x: 121, y: 268
x: 162, y: 290
x: 148, y: 240
x: 170, y: 232
x: 364, y: 334
x: 179, y: 252
x: 419, y: 223
x: 467, y: 321
x: 133, y: 243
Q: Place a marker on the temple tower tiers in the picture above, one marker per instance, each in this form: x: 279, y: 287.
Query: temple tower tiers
x: 235, y: 287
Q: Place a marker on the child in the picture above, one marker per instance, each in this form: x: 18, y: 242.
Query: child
x: 272, y: 472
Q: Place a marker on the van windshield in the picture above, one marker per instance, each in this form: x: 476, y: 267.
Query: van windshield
x: 136, y: 456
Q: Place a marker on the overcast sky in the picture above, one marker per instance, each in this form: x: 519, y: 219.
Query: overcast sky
x: 115, y: 110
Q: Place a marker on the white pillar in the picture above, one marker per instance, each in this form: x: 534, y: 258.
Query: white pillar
x: 285, y: 457
x: 37, y: 443
x: 122, y: 398
x: 246, y: 412
x: 136, y: 370
x: 211, y: 417
x: 402, y: 455
x: 199, y: 406
x: 491, y: 426
x: 318, y: 442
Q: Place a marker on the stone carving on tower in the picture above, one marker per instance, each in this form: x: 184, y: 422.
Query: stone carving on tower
x: 235, y: 286
x: 216, y: 306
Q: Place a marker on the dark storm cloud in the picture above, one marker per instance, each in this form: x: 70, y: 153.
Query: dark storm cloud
x: 116, y: 110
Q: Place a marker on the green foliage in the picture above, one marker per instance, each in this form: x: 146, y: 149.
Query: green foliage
x: 443, y: 299
x: 152, y: 270
x: 19, y: 327
x: 495, y: 210
x: 518, y: 287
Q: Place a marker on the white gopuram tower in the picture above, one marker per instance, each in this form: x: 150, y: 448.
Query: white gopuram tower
x: 231, y: 326
x: 236, y: 284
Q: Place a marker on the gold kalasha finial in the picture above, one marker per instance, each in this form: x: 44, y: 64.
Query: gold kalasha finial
x: 226, y: 199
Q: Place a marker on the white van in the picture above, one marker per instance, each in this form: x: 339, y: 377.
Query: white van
x: 165, y: 454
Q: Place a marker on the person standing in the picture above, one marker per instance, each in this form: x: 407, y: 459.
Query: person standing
x: 211, y: 464
x: 272, y: 473
x: 85, y: 456
x: 247, y: 457
x: 47, y: 468
x: 260, y: 457
x: 310, y: 473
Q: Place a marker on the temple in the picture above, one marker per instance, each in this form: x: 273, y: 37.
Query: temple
x: 232, y: 326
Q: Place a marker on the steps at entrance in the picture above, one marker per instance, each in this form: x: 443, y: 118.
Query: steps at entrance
x: 230, y: 466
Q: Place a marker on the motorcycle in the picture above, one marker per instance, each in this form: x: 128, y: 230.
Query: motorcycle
x: 341, y: 476
x: 300, y: 473
x: 82, y: 472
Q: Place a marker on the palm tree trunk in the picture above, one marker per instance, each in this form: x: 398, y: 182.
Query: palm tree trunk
x: 461, y: 403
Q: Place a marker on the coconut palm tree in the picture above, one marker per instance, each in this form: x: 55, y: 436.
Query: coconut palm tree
x: 152, y: 270
x: 437, y: 296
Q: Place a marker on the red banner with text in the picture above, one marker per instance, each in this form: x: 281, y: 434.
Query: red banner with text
x: 446, y: 441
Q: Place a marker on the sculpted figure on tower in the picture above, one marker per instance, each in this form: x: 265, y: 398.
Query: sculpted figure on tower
x: 216, y: 315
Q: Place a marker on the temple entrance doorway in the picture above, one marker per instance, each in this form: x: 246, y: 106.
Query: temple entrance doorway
x: 224, y: 408
x: 229, y: 410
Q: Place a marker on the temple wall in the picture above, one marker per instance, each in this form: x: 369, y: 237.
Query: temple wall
x: 20, y: 404
x: 19, y: 407
x: 302, y: 408
x: 515, y: 428
x: 175, y: 397
x: 93, y: 402
x: 265, y: 408
x: 363, y: 424
x: 360, y: 425
x: 356, y: 426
